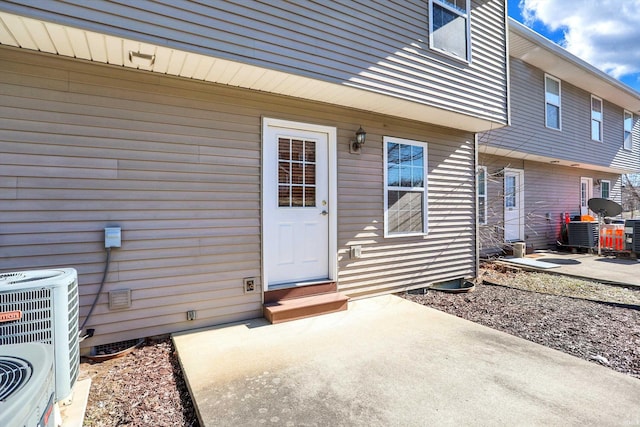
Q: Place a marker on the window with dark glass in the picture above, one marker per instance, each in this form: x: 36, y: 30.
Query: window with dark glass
x: 482, y: 194
x: 596, y: 118
x: 628, y: 128
x: 605, y: 189
x: 552, y: 102
x: 449, y: 27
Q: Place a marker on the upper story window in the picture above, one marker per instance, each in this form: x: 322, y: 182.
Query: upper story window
x: 482, y: 195
x: 596, y: 118
x: 405, y: 176
x: 628, y: 127
x: 605, y: 189
x: 449, y: 27
x: 552, y: 97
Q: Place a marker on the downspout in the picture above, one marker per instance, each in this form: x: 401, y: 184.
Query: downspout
x: 475, y: 210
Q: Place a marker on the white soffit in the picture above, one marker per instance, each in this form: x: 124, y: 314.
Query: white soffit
x: 42, y: 36
x: 534, y: 49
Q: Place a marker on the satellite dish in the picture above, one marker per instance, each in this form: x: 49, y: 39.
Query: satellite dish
x: 604, y: 207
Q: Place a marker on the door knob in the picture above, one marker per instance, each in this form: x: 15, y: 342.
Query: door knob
x: 324, y: 213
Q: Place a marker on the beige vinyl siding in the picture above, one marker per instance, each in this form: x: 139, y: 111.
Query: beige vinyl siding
x: 549, y: 191
x: 176, y: 164
x: 379, y: 46
x: 528, y: 134
x: 395, y: 263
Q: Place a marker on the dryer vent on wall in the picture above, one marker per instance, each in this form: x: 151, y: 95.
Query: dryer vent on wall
x: 42, y: 306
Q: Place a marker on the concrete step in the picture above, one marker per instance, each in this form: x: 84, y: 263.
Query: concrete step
x: 298, y: 308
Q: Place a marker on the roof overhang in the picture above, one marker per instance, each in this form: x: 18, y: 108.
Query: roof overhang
x: 504, y: 152
x: 534, y: 49
x: 83, y: 44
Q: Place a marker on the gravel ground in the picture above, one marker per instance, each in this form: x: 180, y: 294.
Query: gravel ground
x: 146, y: 387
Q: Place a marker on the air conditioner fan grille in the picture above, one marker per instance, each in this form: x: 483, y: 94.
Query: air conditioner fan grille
x: 14, y: 373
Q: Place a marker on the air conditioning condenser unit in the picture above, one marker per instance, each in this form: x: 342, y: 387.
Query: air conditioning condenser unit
x: 42, y: 306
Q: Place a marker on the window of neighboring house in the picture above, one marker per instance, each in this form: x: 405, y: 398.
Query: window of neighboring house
x: 482, y: 195
x: 628, y: 127
x: 449, y: 27
x: 605, y: 189
x: 552, y: 102
x: 596, y: 118
x: 405, y: 197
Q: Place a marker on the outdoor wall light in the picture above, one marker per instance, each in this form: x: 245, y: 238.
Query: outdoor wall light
x: 355, y: 145
x: 141, y: 59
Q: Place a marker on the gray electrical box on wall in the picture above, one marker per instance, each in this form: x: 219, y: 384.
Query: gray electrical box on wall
x: 112, y: 237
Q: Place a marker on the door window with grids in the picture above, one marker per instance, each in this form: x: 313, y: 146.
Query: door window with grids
x: 405, y: 187
x: 510, y: 184
x: 296, y: 173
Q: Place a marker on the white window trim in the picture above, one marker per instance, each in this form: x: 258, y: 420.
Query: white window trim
x: 626, y: 146
x: 466, y: 16
x: 482, y: 170
x: 601, y: 120
x: 425, y: 215
x: 602, y: 182
x: 559, y: 105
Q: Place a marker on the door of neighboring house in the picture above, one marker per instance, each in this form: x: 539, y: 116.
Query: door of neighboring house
x: 298, y: 205
x: 513, y: 205
x: 586, y: 193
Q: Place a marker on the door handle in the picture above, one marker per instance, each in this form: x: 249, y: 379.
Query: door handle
x: 324, y: 213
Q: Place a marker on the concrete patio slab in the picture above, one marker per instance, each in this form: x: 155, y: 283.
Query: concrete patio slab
x: 390, y: 362
x: 608, y: 269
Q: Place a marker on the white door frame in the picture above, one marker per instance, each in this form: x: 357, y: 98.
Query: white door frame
x: 584, y: 208
x: 331, y: 133
x: 519, y: 203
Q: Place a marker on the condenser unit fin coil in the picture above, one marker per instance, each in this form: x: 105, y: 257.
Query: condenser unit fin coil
x: 49, y: 306
x: 583, y: 234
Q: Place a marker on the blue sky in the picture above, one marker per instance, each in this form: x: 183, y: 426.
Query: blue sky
x: 605, y: 33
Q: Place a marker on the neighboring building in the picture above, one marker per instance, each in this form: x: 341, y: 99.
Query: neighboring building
x: 574, y: 130
x: 217, y: 136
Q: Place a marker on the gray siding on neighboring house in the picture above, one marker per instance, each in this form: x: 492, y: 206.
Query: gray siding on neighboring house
x: 549, y: 191
x: 378, y: 46
x: 176, y: 164
x: 528, y: 134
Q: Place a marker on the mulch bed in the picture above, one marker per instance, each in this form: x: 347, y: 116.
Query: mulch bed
x: 599, y: 333
x: 143, y: 388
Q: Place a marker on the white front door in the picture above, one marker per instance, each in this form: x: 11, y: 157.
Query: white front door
x: 586, y: 193
x: 513, y: 205
x: 298, y: 204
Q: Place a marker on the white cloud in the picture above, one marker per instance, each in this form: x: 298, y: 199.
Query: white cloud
x: 605, y: 33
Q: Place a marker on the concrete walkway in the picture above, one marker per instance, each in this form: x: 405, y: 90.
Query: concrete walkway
x: 390, y: 362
